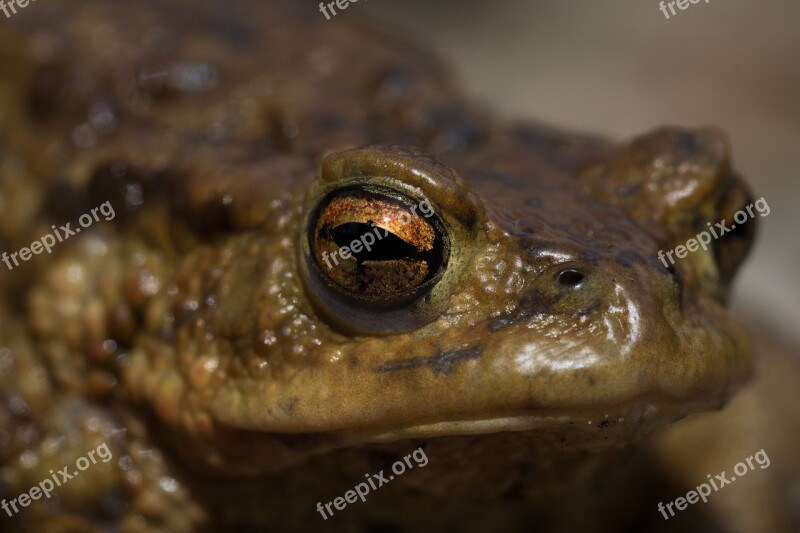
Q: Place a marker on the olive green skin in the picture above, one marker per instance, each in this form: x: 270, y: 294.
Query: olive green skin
x: 190, y: 334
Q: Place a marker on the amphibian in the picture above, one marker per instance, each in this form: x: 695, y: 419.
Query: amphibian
x: 236, y: 376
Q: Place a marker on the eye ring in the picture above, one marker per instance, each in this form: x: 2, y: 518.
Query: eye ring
x: 377, y: 247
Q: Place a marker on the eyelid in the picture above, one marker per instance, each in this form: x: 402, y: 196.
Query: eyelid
x: 418, y: 174
x: 380, y: 211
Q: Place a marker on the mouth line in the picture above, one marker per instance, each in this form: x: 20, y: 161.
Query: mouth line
x: 470, y: 427
x: 635, y: 418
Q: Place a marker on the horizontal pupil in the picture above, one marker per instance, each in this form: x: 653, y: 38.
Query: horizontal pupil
x: 383, y: 246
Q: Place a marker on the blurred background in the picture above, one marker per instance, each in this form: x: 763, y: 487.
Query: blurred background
x: 620, y: 69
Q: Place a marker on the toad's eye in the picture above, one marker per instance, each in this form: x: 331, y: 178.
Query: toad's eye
x: 376, y: 246
x: 731, y: 248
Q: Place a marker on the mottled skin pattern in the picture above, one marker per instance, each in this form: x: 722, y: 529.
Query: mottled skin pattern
x: 190, y: 334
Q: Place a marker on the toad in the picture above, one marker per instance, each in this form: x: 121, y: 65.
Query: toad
x: 522, y: 329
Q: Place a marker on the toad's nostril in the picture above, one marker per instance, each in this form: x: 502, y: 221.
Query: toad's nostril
x: 570, y: 277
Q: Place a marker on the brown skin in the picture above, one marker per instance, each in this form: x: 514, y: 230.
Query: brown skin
x: 236, y: 382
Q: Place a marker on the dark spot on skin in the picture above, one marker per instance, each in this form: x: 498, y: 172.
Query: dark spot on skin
x: 532, y: 406
x: 534, y: 202
x: 185, y: 312
x: 239, y: 36
x: 490, y: 176
x: 591, y: 256
x: 502, y: 322
x: 45, y: 93
x: 628, y: 258
x: 446, y: 126
x: 456, y: 129
x: 688, y: 143
x: 120, y: 185
x: 556, y: 149
x: 587, y: 310
x: 533, y: 303
x: 531, y: 137
x: 123, y: 323
x: 327, y: 122
x: 628, y: 190
x: 442, y: 363
x: 393, y: 86
x: 291, y: 405
x: 603, y: 425
x: 228, y: 30
x: 279, y: 131
x: 65, y: 202
x: 208, y: 206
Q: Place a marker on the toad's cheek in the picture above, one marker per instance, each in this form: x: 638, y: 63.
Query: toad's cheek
x: 637, y: 347
x: 716, y: 355
x: 631, y: 363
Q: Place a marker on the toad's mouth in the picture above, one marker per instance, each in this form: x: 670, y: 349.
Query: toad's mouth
x: 591, y: 428
x: 589, y: 389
